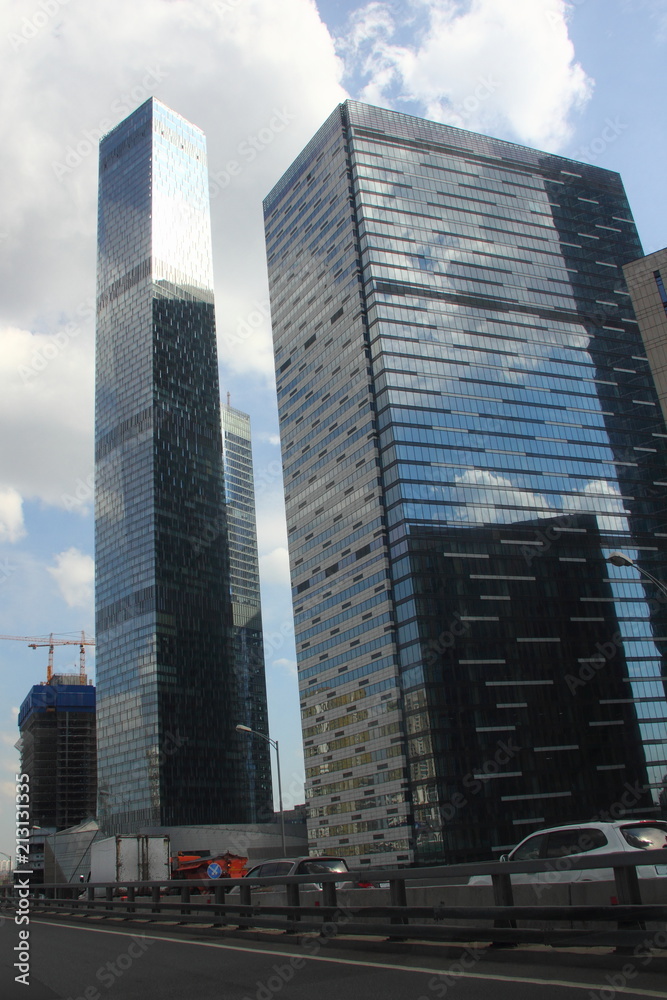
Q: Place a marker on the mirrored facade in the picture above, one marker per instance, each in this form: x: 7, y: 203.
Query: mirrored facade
x: 647, y: 284
x: 247, y: 636
x: 170, y: 691
x: 469, y: 429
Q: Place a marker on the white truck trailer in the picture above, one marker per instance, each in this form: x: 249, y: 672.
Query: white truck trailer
x: 130, y: 858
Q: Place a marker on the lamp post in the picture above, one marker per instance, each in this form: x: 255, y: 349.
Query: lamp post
x: 620, y: 559
x: 274, y: 744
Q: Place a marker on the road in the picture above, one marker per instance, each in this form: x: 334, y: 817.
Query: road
x: 72, y: 962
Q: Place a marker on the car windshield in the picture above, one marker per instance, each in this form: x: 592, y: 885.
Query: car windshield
x: 646, y: 837
x: 322, y: 865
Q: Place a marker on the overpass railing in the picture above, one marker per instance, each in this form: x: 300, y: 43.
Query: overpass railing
x: 628, y: 921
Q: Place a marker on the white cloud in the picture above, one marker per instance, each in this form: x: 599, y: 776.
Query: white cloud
x: 266, y: 77
x: 273, y: 439
x: 603, y: 499
x: 487, y: 65
x: 274, y: 567
x: 12, y: 528
x: 47, y: 385
x: 288, y: 666
x: 491, y: 490
x: 74, y: 573
x: 9, y: 767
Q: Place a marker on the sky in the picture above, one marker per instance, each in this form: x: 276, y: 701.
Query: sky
x: 584, y: 78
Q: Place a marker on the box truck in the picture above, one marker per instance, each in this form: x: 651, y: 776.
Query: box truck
x: 130, y: 858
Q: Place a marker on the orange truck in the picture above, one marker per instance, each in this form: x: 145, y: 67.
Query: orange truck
x: 210, y: 866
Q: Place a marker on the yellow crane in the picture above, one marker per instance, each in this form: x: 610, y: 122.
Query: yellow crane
x: 36, y: 641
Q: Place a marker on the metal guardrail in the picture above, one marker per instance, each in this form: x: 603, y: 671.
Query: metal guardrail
x: 223, y: 906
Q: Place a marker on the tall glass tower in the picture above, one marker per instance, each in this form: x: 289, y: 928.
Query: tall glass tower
x: 469, y: 429
x: 247, y: 634
x: 170, y: 691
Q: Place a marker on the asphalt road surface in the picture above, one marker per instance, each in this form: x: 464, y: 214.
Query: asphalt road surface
x: 69, y: 962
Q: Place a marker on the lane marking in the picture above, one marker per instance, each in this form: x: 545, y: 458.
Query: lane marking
x: 491, y: 977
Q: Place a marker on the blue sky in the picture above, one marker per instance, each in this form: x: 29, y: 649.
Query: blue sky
x: 585, y: 79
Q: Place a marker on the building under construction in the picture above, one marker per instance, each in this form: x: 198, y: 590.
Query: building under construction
x: 59, y: 751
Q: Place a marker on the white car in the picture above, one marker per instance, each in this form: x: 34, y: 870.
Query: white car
x: 559, y: 843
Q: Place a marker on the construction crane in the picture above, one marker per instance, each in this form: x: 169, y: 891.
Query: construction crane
x: 35, y: 642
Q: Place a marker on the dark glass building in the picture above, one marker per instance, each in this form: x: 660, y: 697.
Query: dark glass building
x: 469, y: 429
x: 247, y: 636
x: 169, y: 691
x: 647, y: 283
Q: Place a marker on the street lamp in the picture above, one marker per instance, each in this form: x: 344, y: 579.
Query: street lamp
x: 620, y: 559
x: 274, y: 744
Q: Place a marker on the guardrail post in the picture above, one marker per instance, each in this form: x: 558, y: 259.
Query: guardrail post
x: 397, y: 897
x: 245, y: 900
x: 218, y: 899
x: 155, y: 899
x: 502, y: 896
x: 627, y: 894
x: 90, y: 896
x: 130, y: 899
x: 185, y: 898
x: 329, y: 897
x: 293, y: 898
x: 109, y: 897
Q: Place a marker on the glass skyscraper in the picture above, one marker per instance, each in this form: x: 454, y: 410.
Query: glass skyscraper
x: 469, y: 428
x: 247, y: 636
x: 170, y: 691
x: 647, y: 284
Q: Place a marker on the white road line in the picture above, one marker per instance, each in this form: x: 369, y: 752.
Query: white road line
x: 529, y: 980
